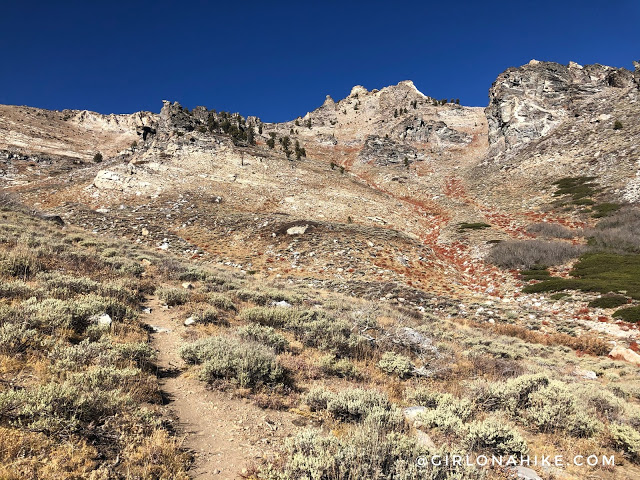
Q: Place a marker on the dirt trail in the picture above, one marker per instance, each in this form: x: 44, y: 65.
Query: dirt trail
x: 227, y: 435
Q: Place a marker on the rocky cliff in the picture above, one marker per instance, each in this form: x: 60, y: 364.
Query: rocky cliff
x: 527, y: 103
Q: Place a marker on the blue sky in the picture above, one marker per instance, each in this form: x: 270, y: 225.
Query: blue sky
x: 278, y: 60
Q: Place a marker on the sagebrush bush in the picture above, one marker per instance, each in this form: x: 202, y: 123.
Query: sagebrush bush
x: 17, y: 338
x: 396, y: 364
x: 221, y: 301
x: 20, y: 263
x: 627, y: 439
x: 210, y: 315
x: 351, y: 404
x: 449, y: 415
x: 551, y: 230
x: 364, y: 453
x: 71, y: 283
x: 338, y: 367
x: 527, y: 253
x: 246, y: 363
x: 173, y: 296
x: 265, y: 335
x: 59, y: 407
x: 617, y: 233
x: 496, y: 437
x: 271, y: 317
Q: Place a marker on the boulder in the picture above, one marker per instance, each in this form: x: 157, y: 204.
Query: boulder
x: 625, y: 354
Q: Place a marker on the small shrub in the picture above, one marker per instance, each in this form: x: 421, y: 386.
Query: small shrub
x: 173, y: 296
x: 210, y: 315
x: 609, y: 301
x: 97, y: 158
x: 269, y: 316
x: 221, y: 301
x: 396, y: 364
x: 351, y: 404
x: 617, y: 125
x: 627, y: 439
x: 605, y: 209
x: 550, y: 230
x: 247, y: 364
x: 473, y: 226
x: 264, y: 335
x: 20, y: 263
x: 496, y: 437
x: 527, y: 253
x: 630, y: 314
x: 17, y: 338
x: 342, y: 367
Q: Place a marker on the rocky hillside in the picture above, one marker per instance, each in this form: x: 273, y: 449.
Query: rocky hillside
x: 402, y: 250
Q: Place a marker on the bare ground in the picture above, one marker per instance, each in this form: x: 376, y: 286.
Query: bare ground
x: 227, y: 435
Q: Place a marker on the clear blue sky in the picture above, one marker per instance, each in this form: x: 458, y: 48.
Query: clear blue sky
x: 278, y: 60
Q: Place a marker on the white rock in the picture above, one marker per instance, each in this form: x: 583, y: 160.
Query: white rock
x: 526, y: 473
x: 103, y: 320
x: 297, y: 230
x: 189, y: 321
x: 164, y: 246
x: 282, y: 303
x: 187, y: 286
x: 586, y: 374
x: 625, y: 354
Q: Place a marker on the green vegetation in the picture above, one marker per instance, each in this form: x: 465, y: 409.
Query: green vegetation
x: 598, y: 272
x: 396, y: 364
x: 78, y: 398
x: 609, y: 301
x: 576, y: 187
x: 473, y: 226
x: 173, y: 296
x: 97, y: 158
x: 245, y: 363
x: 630, y: 314
x: 604, y: 209
x: 617, y: 125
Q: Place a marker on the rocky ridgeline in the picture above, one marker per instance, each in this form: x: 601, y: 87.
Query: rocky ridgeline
x: 528, y: 102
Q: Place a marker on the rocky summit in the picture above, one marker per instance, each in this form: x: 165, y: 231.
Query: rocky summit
x: 389, y: 262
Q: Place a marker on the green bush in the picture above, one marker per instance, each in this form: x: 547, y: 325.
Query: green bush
x: 630, y: 314
x: 247, y: 364
x: 210, y: 315
x: 265, y: 335
x: 173, y: 296
x: 449, y: 414
x: 609, y: 301
x: 396, y: 364
x: 473, y: 226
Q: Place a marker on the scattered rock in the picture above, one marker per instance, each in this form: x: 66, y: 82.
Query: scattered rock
x: 187, y: 286
x: 625, y: 354
x: 189, y: 321
x: 103, y: 320
x: 586, y: 374
x: 526, y: 473
x: 297, y: 230
x: 281, y: 303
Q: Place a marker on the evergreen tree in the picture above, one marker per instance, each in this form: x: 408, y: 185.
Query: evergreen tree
x: 271, y: 142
